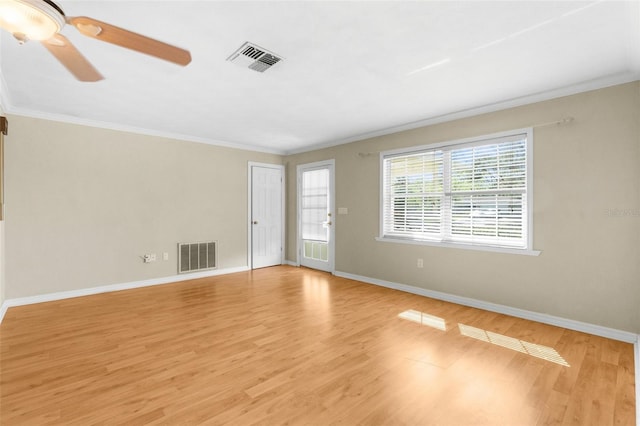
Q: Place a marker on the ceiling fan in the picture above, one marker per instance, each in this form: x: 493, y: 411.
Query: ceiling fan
x: 42, y: 20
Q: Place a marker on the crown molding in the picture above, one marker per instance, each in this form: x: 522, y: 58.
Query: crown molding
x: 27, y: 112
x: 586, y: 86
x: 7, y: 107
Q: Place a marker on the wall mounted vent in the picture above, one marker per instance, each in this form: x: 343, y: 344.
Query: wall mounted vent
x: 197, y: 256
x: 254, y: 57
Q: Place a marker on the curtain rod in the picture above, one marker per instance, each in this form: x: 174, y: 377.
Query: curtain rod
x: 564, y: 120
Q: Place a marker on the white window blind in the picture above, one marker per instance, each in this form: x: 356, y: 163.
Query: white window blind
x: 474, y: 193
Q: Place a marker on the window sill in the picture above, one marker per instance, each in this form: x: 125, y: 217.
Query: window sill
x: 506, y: 250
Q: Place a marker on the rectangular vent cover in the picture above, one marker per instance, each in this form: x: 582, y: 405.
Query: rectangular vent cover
x: 197, y: 256
x: 254, y: 57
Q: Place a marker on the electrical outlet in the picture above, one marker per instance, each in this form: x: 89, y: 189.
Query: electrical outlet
x: 165, y: 256
x: 420, y: 263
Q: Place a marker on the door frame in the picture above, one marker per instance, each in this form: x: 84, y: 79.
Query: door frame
x: 332, y: 203
x: 250, y: 167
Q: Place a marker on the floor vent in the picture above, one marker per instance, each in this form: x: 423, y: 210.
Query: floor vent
x: 254, y: 57
x: 197, y: 256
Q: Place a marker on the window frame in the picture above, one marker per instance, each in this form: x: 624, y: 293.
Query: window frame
x: 487, y: 139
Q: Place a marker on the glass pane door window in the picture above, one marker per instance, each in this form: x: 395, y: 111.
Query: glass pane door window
x: 315, y: 214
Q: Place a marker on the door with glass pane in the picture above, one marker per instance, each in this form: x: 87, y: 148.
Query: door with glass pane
x: 315, y: 215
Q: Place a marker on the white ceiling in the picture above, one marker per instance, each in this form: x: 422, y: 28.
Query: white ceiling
x: 351, y: 69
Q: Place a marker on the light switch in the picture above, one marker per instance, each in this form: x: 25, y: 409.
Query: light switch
x: 343, y: 210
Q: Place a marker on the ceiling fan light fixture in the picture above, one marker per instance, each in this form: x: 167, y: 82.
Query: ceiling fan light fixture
x: 42, y: 20
x: 31, y: 19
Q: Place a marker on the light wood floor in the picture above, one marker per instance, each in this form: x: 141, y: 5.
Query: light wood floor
x: 288, y: 345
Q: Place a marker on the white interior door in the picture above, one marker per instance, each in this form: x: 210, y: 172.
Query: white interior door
x: 315, y: 215
x: 266, y: 224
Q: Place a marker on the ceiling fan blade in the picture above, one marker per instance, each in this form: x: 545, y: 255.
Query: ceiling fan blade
x: 71, y: 58
x: 130, y: 40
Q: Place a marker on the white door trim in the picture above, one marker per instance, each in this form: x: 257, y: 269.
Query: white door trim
x: 252, y: 164
x: 332, y: 201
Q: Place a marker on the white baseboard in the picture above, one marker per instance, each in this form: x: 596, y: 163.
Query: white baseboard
x: 49, y: 297
x: 624, y: 336
x: 290, y: 263
x: 3, y: 310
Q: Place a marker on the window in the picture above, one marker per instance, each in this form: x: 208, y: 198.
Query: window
x: 474, y: 193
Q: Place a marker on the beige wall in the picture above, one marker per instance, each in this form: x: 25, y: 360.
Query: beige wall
x: 586, y: 213
x: 84, y: 204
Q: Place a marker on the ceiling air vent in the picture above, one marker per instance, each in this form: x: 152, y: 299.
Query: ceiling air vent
x: 254, y: 57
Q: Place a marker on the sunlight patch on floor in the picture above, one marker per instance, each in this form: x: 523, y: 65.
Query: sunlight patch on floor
x: 539, y: 351
x: 533, y: 349
x: 424, y: 319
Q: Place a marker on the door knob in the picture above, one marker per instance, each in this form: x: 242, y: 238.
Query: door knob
x: 255, y: 222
